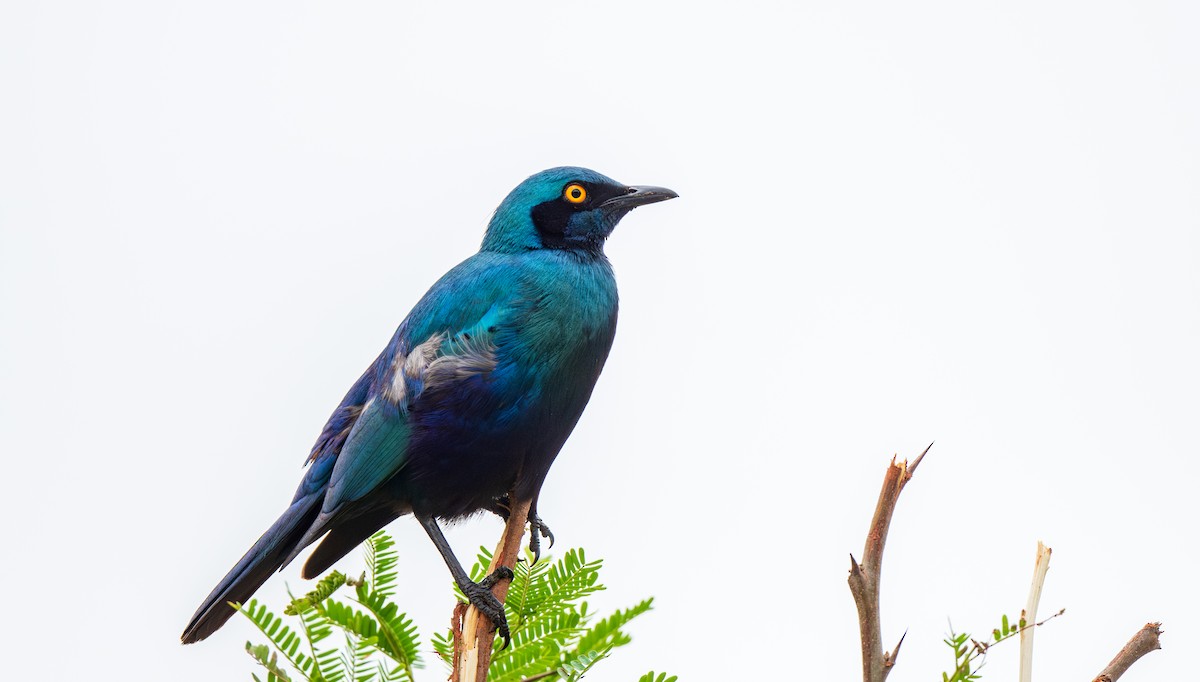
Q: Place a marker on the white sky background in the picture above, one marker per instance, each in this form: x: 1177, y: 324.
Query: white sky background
x: 898, y: 223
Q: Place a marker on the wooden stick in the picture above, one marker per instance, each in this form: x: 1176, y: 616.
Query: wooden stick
x: 1029, y: 615
x: 473, y: 640
x: 864, y: 577
x: 1145, y: 641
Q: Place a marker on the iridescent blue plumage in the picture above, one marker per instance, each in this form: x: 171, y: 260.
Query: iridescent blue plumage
x: 474, y: 395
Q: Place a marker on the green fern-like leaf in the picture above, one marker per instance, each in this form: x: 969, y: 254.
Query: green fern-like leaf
x: 551, y: 626
x: 552, y: 592
x: 443, y: 646
x: 283, y: 638
x: 662, y: 677
x: 361, y: 660
x: 328, y: 664
x: 353, y: 621
x: 526, y: 661
x: 607, y: 634
x: 324, y: 590
x: 269, y: 660
x: 573, y: 669
x: 520, y: 605
x: 382, y: 560
x: 396, y: 636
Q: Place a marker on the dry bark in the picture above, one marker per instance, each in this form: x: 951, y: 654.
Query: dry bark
x: 1145, y: 641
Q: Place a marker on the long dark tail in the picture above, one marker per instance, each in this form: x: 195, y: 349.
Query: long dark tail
x: 264, y: 558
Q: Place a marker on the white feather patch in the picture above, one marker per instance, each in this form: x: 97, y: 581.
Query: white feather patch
x: 437, y: 361
x: 464, y: 355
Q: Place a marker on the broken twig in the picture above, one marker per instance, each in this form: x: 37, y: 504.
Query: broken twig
x: 1029, y: 615
x: 1145, y: 641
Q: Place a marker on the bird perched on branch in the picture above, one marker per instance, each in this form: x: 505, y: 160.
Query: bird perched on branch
x: 472, y: 398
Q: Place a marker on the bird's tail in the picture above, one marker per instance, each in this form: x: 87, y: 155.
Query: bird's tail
x: 264, y: 558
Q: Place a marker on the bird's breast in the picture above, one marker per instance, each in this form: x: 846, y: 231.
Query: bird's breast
x: 572, y: 314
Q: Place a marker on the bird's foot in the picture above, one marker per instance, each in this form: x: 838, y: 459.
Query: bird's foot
x: 538, y: 530
x: 537, y: 527
x: 481, y: 597
x: 502, y: 573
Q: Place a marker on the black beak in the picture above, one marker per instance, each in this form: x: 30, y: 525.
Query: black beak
x: 639, y: 195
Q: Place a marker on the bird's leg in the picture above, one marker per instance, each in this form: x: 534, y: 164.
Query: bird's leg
x: 478, y: 593
x: 537, y: 527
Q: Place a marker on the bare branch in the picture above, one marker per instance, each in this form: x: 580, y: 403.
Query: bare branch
x: 474, y: 639
x: 1145, y: 641
x: 864, y: 576
x: 1029, y: 615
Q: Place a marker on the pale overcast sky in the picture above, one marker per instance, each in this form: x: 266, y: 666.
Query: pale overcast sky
x: 899, y: 223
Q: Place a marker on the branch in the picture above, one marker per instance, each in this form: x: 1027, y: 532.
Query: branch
x: 1029, y: 615
x: 864, y: 577
x: 474, y: 634
x: 1145, y: 641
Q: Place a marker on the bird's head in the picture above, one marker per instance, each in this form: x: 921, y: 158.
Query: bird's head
x: 565, y: 208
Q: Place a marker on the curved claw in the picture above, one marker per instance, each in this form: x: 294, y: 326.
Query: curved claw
x: 545, y: 531
x: 537, y: 528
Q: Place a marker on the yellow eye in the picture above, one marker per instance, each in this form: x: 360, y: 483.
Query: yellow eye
x: 575, y: 193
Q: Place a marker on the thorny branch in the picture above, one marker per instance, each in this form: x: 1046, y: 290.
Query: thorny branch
x: 864, y: 577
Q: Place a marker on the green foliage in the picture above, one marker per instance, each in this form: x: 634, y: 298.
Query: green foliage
x: 554, y: 634
x: 970, y: 655
x: 662, y: 677
x: 963, y: 658
x: 378, y: 642
x: 269, y: 660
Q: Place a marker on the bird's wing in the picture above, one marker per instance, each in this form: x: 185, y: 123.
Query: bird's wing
x: 447, y: 342
x: 377, y: 446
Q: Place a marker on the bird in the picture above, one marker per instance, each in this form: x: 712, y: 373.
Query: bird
x: 472, y: 397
